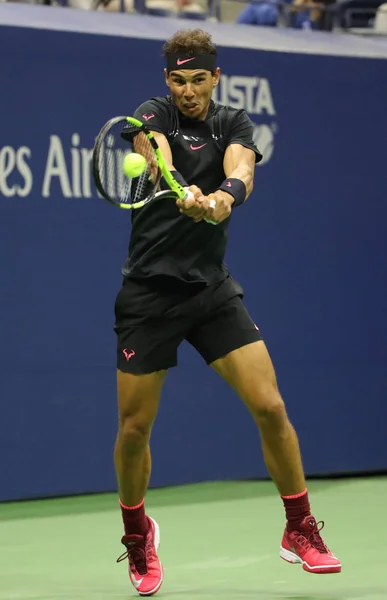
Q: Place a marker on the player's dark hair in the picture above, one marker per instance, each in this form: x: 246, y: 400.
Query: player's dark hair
x: 189, y: 41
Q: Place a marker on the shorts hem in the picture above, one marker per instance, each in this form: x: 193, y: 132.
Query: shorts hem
x: 231, y: 347
x: 144, y: 370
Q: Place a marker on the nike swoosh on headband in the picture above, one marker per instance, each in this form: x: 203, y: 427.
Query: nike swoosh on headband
x: 181, y: 62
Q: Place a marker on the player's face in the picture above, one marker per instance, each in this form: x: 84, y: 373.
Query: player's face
x: 191, y: 90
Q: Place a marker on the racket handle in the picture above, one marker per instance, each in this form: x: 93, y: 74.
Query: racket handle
x: 188, y: 195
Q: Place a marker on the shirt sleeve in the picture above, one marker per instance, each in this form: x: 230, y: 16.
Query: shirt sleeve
x: 154, y: 115
x: 242, y: 132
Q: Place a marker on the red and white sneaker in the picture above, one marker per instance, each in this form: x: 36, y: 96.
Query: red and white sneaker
x: 306, y: 547
x: 145, y: 568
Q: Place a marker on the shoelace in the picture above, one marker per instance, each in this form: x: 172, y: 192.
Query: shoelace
x: 137, y: 556
x: 314, y: 539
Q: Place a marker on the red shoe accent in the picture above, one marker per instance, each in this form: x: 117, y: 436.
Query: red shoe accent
x: 145, y: 568
x: 307, y: 547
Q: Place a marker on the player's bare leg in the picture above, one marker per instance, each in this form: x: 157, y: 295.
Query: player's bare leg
x: 249, y: 371
x: 138, y: 401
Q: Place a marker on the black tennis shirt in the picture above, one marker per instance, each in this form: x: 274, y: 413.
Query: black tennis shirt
x: 164, y: 242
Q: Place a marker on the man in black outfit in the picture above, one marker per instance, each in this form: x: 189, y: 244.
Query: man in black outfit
x: 176, y: 287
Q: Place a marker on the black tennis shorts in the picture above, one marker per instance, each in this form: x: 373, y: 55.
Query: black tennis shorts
x: 152, y: 322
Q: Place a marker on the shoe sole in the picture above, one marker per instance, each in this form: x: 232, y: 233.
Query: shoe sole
x: 293, y: 558
x: 157, y: 545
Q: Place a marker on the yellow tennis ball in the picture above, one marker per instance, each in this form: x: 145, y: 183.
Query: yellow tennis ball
x: 134, y: 164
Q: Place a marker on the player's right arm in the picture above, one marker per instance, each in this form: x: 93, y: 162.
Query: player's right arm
x: 156, y: 118
x: 165, y: 149
x: 155, y: 115
x: 195, y: 208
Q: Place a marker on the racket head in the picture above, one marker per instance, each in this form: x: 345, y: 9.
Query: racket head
x: 117, y: 138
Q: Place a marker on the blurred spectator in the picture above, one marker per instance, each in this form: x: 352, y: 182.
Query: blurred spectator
x: 262, y: 13
x: 161, y: 7
x: 306, y: 14
x: 300, y: 14
x: 381, y: 19
x: 81, y: 4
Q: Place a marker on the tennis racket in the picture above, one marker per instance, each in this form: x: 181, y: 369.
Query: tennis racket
x: 117, y: 138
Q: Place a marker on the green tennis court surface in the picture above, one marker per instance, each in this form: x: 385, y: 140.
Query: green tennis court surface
x: 218, y: 541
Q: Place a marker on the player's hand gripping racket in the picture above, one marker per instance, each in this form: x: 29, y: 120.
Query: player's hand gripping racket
x: 117, y: 138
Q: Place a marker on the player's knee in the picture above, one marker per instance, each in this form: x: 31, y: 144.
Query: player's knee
x: 133, y: 435
x: 269, y: 408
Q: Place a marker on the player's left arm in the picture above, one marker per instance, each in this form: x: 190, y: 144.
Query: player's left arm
x: 239, y: 161
x: 238, y: 165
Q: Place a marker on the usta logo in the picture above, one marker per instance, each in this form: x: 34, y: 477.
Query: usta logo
x: 254, y: 94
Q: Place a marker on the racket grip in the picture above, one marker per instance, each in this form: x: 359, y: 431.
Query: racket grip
x: 210, y: 222
x: 188, y: 195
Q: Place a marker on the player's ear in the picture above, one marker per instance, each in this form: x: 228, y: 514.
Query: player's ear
x: 215, y: 77
x: 166, y: 77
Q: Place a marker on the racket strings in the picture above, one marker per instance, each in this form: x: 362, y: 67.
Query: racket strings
x: 143, y: 146
x: 112, y: 151
x: 145, y: 182
x: 115, y: 141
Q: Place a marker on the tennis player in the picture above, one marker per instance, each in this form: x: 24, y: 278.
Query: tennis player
x: 176, y: 287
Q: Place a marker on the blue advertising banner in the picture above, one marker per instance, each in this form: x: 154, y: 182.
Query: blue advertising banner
x: 309, y: 247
